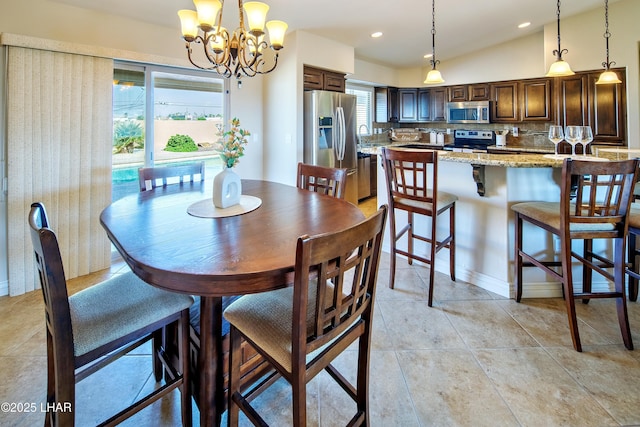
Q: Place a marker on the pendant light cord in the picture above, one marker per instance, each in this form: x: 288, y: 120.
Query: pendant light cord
x: 558, y: 52
x: 608, y: 64
x: 434, y: 62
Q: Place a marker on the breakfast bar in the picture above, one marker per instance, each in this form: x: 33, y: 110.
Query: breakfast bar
x: 484, y: 220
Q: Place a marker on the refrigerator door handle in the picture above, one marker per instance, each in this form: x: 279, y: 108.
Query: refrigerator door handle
x: 340, y: 134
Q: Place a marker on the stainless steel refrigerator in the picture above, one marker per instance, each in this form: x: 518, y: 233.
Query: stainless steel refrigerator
x: 330, y: 134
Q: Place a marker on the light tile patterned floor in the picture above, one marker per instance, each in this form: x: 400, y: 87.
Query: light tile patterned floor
x: 474, y: 359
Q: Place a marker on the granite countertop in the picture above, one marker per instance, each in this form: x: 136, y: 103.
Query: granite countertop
x: 519, y: 160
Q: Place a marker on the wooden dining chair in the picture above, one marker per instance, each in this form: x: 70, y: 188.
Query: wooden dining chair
x: 150, y: 178
x: 594, y: 204
x: 321, y: 179
x: 301, y: 329
x: 412, y: 187
x: 92, y: 328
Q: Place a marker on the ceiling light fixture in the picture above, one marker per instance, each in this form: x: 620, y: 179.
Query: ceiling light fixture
x: 608, y: 76
x: 524, y: 25
x: 241, y: 53
x: 376, y: 34
x: 560, y: 67
x: 434, y: 76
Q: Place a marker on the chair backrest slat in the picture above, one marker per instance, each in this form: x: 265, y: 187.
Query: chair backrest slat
x: 150, y: 178
x: 411, y: 174
x: 321, y: 179
x: 598, y: 193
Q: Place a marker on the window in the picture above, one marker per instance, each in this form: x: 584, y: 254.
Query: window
x: 364, y: 106
x: 187, y: 107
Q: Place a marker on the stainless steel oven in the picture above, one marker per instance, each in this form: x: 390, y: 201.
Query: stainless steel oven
x: 468, y: 112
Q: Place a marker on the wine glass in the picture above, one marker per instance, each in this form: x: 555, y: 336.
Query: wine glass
x: 556, y: 136
x: 573, y: 135
x: 587, y: 137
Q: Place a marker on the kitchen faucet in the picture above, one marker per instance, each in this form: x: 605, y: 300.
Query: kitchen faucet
x: 366, y: 128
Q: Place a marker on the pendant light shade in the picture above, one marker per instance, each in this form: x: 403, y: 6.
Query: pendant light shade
x: 434, y: 76
x: 560, y: 67
x: 608, y: 76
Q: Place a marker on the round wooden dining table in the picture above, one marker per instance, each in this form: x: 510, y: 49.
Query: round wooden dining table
x: 170, y: 248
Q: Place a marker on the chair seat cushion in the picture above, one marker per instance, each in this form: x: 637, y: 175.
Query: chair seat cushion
x: 549, y: 213
x: 266, y: 319
x: 117, y: 307
x: 444, y: 201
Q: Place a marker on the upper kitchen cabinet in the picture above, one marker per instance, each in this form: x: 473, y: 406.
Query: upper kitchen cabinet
x: 607, y: 109
x: 505, y: 107
x: 603, y: 107
x: 408, y: 105
x: 474, y: 92
x: 536, y: 101
x: 424, y: 105
x: 318, y: 79
x: 438, y: 97
x: 386, y: 104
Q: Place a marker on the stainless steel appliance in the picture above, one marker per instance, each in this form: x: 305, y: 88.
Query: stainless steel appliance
x: 471, y: 140
x: 468, y: 112
x: 364, y: 175
x: 330, y: 134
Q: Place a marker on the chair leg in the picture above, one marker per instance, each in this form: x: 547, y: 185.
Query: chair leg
x: 234, y: 376
x: 518, y: 257
x: 587, y: 272
x: 621, y: 302
x: 432, y: 258
x: 362, y: 381
x: 157, y: 346
x: 392, y: 240
x: 185, y: 389
x: 299, y: 390
x: 633, y: 260
x: 410, y: 238
x: 567, y: 285
x: 452, y: 242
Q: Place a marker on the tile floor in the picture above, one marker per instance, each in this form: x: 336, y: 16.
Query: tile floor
x: 474, y: 359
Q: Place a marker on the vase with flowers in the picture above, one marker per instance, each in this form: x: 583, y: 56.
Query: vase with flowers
x: 227, y: 187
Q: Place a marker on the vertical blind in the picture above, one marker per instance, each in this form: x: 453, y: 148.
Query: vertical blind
x: 59, y: 130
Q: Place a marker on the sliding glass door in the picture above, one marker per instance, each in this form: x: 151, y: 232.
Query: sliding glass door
x: 175, y: 122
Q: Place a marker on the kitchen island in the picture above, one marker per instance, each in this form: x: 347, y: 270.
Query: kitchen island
x: 485, y: 222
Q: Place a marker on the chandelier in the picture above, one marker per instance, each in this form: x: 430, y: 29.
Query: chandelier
x: 240, y: 53
x: 560, y: 67
x: 607, y: 76
x: 434, y: 76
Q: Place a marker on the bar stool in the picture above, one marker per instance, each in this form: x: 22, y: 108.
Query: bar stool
x: 594, y: 204
x: 412, y: 186
x: 633, y: 253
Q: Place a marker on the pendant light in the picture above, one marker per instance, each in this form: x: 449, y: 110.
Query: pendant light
x: 608, y: 76
x: 560, y: 67
x: 434, y: 76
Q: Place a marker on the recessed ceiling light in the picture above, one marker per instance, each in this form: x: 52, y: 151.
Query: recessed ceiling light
x: 428, y: 55
x: 524, y: 25
x: 376, y: 34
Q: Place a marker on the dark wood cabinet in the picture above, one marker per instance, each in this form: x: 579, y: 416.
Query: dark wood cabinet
x: 536, y: 100
x: 458, y: 93
x: 408, y: 105
x: 505, y: 107
x: 424, y: 105
x: 438, y: 102
x: 473, y: 92
x: 318, y: 79
x: 386, y: 104
x: 603, y: 107
x: 479, y: 92
x: 606, y: 114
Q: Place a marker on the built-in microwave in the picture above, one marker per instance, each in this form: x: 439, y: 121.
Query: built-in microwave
x: 468, y: 112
